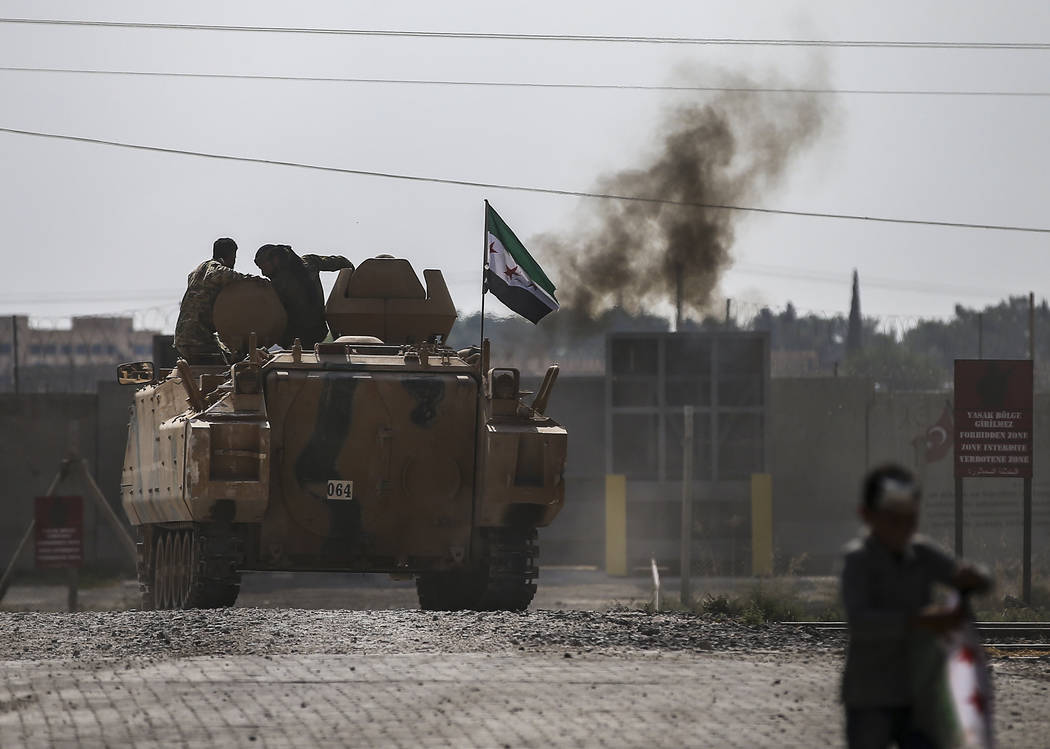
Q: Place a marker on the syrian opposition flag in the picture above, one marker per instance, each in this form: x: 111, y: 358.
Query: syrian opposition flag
x: 952, y: 701
x: 513, y: 276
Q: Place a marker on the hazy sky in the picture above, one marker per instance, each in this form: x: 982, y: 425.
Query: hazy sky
x: 90, y: 229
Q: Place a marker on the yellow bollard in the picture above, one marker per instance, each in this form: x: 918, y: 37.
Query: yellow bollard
x: 616, y: 524
x: 761, y: 524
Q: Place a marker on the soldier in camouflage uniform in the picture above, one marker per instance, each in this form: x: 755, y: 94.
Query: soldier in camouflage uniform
x: 195, y: 331
x: 297, y: 281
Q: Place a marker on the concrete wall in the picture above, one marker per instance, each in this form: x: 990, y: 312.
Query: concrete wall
x: 823, y: 434
x: 828, y: 432
x: 112, y: 412
x: 818, y: 443
x: 577, y: 535
x: 37, y: 432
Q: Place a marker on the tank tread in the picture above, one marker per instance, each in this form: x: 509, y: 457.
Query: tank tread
x: 504, y: 581
x: 511, y: 570
x: 217, y: 579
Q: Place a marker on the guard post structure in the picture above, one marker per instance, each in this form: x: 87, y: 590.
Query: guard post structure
x: 761, y: 524
x: 651, y: 380
x: 616, y: 524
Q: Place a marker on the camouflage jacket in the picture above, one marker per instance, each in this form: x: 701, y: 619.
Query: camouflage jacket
x: 195, y: 329
x: 303, y: 298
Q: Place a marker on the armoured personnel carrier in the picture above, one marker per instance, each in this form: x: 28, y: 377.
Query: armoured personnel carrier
x: 380, y: 451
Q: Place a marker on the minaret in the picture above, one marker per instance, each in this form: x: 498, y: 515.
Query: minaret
x: 855, y: 332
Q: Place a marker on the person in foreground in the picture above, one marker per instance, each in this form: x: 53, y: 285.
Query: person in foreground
x: 887, y: 589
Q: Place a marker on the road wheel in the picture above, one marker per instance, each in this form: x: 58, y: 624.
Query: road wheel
x: 162, y: 571
x: 145, y: 565
x: 178, y: 573
x: 188, y: 568
x: 182, y: 569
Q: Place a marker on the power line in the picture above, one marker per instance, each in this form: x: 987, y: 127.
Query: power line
x: 712, y: 41
x: 876, y: 282
x: 520, y: 188
x: 29, y: 298
x: 516, y: 84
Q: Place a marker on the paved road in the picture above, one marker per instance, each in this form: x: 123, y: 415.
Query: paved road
x: 474, y: 700
x: 533, y: 699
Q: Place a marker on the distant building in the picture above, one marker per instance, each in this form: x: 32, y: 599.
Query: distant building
x: 68, y: 359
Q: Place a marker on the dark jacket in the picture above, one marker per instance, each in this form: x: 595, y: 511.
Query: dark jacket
x: 298, y: 283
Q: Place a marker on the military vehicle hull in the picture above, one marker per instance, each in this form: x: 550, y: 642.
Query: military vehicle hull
x: 359, y: 456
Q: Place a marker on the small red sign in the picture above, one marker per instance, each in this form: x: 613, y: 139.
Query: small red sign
x: 993, y: 418
x: 59, y: 532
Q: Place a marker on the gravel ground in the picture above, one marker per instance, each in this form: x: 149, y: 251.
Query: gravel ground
x: 580, y: 588
x: 167, y: 634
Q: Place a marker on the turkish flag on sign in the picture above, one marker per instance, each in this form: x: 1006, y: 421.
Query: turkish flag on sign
x: 937, y: 442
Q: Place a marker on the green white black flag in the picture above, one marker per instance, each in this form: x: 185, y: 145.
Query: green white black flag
x: 513, y: 276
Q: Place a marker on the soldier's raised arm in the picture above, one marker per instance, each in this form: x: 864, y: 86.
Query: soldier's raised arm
x: 326, y: 262
x: 219, y: 275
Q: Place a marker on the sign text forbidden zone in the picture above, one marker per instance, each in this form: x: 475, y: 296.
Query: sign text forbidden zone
x: 993, y: 418
x: 59, y: 532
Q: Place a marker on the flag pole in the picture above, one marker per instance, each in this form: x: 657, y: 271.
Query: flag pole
x: 484, y: 272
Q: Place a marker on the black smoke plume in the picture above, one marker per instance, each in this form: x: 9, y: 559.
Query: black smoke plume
x: 728, y: 150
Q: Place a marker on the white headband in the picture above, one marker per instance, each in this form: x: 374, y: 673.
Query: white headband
x: 899, y: 496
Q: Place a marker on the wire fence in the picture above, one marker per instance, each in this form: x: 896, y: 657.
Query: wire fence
x: 41, y: 354
x: 49, y: 353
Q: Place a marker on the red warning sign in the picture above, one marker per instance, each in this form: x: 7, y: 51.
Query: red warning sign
x: 59, y: 532
x: 993, y: 418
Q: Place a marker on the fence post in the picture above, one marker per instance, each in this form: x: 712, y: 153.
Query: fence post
x: 761, y: 524
x: 14, y: 353
x: 616, y: 524
x: 686, y: 552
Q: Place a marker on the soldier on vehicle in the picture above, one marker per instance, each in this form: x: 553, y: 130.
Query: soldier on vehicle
x: 195, y: 330
x: 297, y: 281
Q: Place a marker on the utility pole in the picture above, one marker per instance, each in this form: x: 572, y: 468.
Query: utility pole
x: 14, y: 352
x: 678, y: 300
x: 686, y: 550
x: 1026, y: 521
x: 1031, y: 325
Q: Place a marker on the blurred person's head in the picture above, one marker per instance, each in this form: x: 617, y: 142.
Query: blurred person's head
x: 225, y: 251
x: 890, y: 505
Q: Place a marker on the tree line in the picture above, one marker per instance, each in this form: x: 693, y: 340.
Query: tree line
x: 919, y: 358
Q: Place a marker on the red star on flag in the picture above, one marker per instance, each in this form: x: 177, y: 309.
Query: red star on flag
x: 492, y: 248
x: 967, y: 655
x: 511, y: 272
x: 978, y: 701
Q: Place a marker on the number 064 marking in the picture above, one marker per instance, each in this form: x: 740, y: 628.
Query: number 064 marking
x: 340, y: 489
